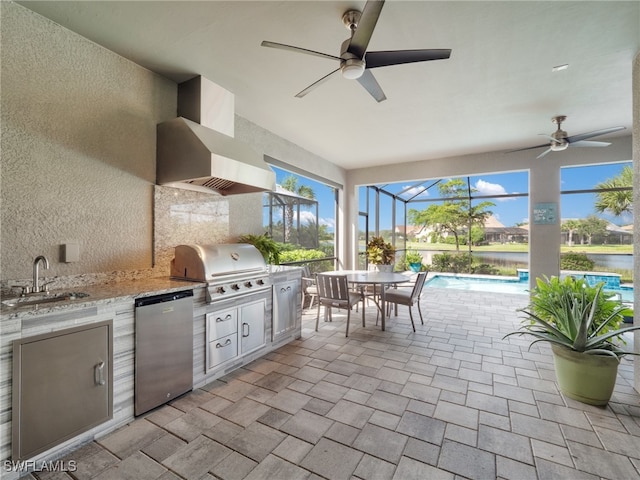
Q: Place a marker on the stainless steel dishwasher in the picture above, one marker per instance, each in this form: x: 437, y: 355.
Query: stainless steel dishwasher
x: 164, y: 349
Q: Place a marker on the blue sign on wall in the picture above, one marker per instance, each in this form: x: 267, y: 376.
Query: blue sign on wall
x: 545, y: 213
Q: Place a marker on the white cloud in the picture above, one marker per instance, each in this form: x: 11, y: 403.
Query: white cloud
x: 415, y: 192
x: 306, y: 217
x: 329, y: 222
x: 486, y: 188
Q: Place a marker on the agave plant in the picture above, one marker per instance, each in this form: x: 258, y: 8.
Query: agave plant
x: 574, y: 315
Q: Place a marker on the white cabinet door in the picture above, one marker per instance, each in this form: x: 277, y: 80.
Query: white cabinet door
x: 252, y: 325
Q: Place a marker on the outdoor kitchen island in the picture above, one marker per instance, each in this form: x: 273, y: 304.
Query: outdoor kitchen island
x: 114, y: 304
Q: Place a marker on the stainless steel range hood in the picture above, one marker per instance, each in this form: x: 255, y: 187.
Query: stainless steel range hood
x: 192, y: 155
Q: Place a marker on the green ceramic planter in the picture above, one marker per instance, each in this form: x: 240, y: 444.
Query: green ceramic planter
x: 587, y: 378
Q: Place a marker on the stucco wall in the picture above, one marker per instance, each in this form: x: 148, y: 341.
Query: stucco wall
x: 78, y: 158
x: 78, y: 149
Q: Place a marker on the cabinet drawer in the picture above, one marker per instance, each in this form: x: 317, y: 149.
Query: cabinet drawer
x: 222, y: 349
x: 221, y: 324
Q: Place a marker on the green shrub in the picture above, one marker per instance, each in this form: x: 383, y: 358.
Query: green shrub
x: 484, y: 269
x: 451, y: 262
x: 460, y: 263
x: 302, y: 255
x: 576, y: 261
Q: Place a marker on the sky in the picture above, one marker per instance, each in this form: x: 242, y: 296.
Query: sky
x: 509, y: 211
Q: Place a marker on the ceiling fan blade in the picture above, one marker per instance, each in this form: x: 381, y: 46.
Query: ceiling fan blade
x: 544, y: 153
x: 282, y: 46
x: 589, y: 143
x: 366, y: 25
x: 585, y: 136
x: 368, y: 81
x: 548, y: 136
x: 398, y: 57
x: 316, y: 84
x: 528, y: 148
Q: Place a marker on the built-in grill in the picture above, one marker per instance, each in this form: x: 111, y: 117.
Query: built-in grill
x: 230, y: 270
x: 238, y: 314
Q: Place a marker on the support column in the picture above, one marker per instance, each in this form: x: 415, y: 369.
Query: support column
x: 544, y: 238
x: 635, y: 139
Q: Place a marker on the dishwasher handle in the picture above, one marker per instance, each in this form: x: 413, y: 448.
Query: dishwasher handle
x: 165, y: 297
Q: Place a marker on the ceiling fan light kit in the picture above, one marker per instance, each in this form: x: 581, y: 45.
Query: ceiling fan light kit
x: 352, y: 68
x: 354, y: 64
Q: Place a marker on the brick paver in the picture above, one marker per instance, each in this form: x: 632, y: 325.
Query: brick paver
x: 452, y: 400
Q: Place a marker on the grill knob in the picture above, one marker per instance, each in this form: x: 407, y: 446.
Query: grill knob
x: 235, y: 287
x: 248, y: 284
x: 220, y: 290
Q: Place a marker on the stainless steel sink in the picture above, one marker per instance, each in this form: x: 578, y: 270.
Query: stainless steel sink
x: 42, y: 298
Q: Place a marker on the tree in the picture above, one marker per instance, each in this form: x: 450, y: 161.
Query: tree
x: 616, y: 201
x: 291, y: 184
x: 570, y: 226
x: 590, y: 226
x: 456, y: 214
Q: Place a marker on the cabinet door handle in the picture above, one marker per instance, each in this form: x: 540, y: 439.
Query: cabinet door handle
x: 225, y: 319
x: 248, y: 330
x: 98, y: 374
x: 228, y: 342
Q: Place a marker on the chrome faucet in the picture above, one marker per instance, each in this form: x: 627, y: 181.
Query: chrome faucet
x: 36, y: 263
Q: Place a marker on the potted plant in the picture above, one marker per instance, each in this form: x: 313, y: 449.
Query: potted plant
x: 581, y: 324
x: 414, y: 260
x: 380, y: 253
x: 269, y: 248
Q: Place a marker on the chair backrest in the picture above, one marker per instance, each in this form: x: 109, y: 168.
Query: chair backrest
x: 417, y: 288
x: 333, y: 286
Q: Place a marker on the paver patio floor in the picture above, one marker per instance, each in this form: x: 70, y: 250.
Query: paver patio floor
x: 451, y: 401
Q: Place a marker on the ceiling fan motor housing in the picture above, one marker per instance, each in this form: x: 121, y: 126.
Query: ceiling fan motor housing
x: 351, y: 66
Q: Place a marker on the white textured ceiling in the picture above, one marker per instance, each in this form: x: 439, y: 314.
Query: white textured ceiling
x: 496, y: 92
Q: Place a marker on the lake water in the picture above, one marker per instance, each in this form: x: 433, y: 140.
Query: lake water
x: 521, y: 259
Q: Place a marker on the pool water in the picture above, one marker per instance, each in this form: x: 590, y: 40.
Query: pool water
x: 500, y: 285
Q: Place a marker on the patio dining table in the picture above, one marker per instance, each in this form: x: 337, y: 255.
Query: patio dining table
x: 382, y: 279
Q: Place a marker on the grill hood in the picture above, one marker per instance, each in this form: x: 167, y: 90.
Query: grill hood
x: 193, y: 155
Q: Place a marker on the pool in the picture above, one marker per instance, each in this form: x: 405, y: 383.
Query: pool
x: 501, y: 285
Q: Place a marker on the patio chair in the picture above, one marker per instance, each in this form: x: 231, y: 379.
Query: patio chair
x: 309, y: 286
x: 407, y: 297
x: 334, y: 292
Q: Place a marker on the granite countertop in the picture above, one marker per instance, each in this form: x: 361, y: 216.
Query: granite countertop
x: 101, y: 293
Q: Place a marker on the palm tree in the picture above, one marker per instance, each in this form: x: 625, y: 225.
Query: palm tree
x: 619, y: 197
x: 291, y: 184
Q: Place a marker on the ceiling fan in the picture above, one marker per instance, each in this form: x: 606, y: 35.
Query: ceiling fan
x: 559, y: 140
x: 354, y: 59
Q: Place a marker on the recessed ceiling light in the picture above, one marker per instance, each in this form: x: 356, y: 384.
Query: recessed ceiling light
x: 560, y: 67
